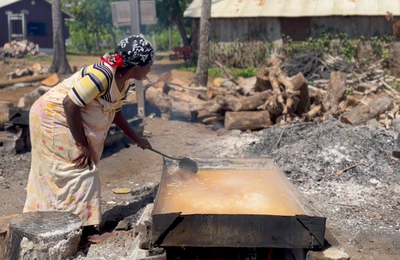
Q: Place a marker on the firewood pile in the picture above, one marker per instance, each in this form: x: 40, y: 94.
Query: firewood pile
x: 20, y: 49
x: 245, y: 105
x: 363, y: 86
x: 34, y: 70
x: 354, y: 95
x: 315, y: 65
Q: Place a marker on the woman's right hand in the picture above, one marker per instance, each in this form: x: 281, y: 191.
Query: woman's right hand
x: 84, y: 158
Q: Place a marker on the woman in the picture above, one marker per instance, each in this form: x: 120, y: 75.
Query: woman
x: 68, y: 126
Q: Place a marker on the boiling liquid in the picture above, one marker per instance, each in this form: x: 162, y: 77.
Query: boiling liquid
x: 227, y: 192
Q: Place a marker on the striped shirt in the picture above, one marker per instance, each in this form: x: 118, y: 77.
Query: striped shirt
x: 96, y: 82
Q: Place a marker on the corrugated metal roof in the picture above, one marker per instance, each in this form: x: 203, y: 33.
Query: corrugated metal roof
x: 294, y: 8
x: 7, y: 2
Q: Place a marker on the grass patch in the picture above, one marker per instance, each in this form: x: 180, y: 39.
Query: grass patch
x: 45, y: 59
x: 216, y: 72
x: 396, y: 85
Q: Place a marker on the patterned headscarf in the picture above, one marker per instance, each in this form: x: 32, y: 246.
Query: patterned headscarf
x: 131, y: 51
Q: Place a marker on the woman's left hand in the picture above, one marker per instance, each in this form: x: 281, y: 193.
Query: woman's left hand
x: 143, y: 143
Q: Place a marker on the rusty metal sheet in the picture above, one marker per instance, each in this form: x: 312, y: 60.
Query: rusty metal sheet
x: 294, y: 8
x: 296, y: 224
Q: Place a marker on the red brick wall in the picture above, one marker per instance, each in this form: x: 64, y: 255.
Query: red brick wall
x: 40, y: 12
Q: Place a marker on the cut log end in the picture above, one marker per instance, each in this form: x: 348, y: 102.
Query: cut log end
x: 247, y: 120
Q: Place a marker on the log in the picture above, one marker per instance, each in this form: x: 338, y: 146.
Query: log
x: 363, y: 113
x: 247, y: 86
x: 335, y: 92
x: 29, y: 79
x: 195, y: 104
x: 183, y: 109
x: 226, y: 72
x: 216, y: 91
x: 299, y: 83
x: 231, y: 103
x: 262, y: 81
x: 316, y: 94
x: 43, y: 235
x: 159, y: 100
x: 315, y: 109
x: 247, y: 120
x: 4, y: 226
x: 4, y: 113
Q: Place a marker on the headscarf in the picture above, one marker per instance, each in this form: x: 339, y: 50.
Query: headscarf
x: 131, y: 51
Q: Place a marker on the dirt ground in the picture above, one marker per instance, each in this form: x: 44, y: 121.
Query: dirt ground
x: 362, y: 216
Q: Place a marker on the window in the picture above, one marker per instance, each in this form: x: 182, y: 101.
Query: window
x: 36, y: 29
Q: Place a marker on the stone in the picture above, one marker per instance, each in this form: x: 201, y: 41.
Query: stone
x: 331, y: 253
x: 227, y: 84
x: 374, y: 181
x: 122, y: 225
x: 375, y: 123
x: 236, y: 132
x: 43, y: 235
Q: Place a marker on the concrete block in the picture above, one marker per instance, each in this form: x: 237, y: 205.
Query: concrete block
x: 43, y: 235
x: 331, y: 253
x: 4, y: 225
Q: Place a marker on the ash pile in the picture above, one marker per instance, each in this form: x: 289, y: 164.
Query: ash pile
x: 348, y: 172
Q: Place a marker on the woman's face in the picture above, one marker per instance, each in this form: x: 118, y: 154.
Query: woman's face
x: 139, y: 73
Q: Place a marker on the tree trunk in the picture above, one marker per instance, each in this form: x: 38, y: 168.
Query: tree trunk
x: 181, y: 30
x: 177, y: 11
x: 204, y: 55
x: 245, y: 103
x: 262, y: 82
x: 60, y: 64
x: 247, y: 120
x: 362, y: 113
x: 300, y: 83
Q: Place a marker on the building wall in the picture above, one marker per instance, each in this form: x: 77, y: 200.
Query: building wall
x: 227, y: 30
x: 40, y: 12
x: 354, y: 26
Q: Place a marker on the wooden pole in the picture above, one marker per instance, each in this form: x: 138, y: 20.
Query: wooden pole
x: 154, y: 42
x: 169, y: 38
x: 135, y: 30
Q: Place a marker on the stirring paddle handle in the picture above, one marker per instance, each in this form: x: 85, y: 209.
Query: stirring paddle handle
x: 163, y: 154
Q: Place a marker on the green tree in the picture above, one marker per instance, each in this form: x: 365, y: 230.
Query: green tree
x: 170, y: 12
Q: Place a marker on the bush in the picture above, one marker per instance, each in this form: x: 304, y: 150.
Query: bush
x: 162, y: 39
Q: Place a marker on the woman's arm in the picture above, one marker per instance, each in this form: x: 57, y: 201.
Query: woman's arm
x: 74, y: 121
x: 123, y: 124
